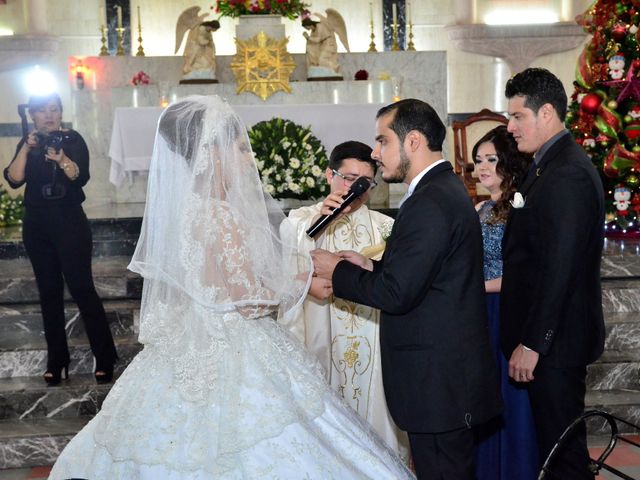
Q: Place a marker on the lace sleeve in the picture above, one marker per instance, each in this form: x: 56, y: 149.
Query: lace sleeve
x: 235, y: 265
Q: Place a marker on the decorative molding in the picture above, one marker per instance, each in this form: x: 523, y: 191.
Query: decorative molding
x: 19, y: 51
x: 518, y: 45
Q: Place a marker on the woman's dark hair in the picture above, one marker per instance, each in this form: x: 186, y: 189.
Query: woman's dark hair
x: 412, y: 114
x: 181, y: 137
x: 511, y: 166
x: 37, y: 102
x: 538, y: 86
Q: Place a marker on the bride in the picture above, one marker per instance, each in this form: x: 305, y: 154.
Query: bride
x: 219, y: 390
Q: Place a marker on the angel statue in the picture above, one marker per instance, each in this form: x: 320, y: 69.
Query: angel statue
x: 199, y: 51
x: 322, y: 48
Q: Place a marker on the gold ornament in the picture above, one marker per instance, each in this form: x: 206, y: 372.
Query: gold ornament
x: 262, y: 66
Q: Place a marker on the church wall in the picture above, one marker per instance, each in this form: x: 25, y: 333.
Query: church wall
x: 473, y: 81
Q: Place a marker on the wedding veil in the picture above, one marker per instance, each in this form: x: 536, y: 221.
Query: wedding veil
x: 209, y: 232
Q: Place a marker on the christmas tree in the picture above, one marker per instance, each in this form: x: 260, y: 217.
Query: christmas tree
x: 604, y: 111
x: 11, y: 209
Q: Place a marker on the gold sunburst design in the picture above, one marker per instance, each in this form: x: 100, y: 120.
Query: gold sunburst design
x: 262, y: 66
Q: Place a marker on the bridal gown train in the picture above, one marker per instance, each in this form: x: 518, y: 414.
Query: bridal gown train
x: 265, y: 412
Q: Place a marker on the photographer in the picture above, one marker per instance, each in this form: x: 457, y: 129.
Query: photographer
x: 54, y: 164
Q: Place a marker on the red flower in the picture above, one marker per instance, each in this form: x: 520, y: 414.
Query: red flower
x: 362, y: 75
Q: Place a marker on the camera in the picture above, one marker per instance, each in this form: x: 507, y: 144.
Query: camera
x: 50, y: 140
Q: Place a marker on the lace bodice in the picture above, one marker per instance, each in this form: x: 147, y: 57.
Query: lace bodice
x: 492, y: 241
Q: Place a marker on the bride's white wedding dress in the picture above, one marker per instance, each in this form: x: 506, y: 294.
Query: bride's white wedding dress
x: 220, y: 390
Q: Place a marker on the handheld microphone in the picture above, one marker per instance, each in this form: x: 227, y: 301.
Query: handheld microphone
x: 359, y: 187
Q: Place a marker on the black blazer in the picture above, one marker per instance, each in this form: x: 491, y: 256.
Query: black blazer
x: 437, y: 365
x: 551, y: 299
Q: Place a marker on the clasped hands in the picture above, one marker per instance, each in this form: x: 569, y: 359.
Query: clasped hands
x: 324, y: 263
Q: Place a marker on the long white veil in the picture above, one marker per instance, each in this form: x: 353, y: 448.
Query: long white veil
x: 209, y: 232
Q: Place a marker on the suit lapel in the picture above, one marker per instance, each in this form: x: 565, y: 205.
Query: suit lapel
x: 544, y: 167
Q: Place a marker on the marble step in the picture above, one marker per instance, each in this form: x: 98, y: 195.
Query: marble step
x: 35, y: 442
x: 23, y: 398
x: 21, y: 323
x: 31, y: 360
x: 624, y: 404
x: 613, y: 376
x: 110, y: 274
x: 111, y: 236
x: 621, y: 295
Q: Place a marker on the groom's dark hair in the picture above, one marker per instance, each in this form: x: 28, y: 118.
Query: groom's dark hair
x: 538, y: 86
x: 412, y: 114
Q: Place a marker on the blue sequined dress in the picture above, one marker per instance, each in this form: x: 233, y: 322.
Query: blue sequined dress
x: 507, y: 446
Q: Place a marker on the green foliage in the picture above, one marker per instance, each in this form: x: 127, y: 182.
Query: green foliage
x: 290, y: 159
x: 11, y: 209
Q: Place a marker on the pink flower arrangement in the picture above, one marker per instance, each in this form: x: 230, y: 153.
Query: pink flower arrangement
x: 140, y: 78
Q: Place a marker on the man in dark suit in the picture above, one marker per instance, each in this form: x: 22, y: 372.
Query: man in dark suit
x: 439, y: 376
x: 551, y: 303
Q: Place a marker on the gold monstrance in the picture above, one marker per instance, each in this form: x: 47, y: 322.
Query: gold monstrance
x: 262, y: 66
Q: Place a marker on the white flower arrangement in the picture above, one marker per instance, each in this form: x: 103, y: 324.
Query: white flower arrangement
x: 290, y: 159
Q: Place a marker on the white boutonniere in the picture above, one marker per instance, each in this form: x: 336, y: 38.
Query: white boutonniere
x: 518, y: 200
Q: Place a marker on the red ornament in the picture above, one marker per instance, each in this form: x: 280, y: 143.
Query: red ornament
x: 618, y: 32
x: 590, y: 103
x: 636, y: 64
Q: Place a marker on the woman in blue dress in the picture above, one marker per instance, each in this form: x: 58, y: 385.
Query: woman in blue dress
x: 507, y: 446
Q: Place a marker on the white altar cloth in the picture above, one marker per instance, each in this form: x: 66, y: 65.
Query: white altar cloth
x: 134, y: 129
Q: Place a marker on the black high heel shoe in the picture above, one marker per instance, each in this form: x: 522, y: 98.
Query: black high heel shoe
x: 54, y: 378
x: 104, y: 375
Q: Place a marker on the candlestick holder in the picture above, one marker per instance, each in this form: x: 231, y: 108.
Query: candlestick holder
x: 395, y: 46
x: 140, y: 52
x: 120, y: 49
x: 410, y: 46
x: 103, y: 40
x: 372, y: 45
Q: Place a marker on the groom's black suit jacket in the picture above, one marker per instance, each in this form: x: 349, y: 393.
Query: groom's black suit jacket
x: 551, y: 299
x: 437, y: 366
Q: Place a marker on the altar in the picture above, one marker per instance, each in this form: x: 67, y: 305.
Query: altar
x: 118, y: 120
x: 134, y: 130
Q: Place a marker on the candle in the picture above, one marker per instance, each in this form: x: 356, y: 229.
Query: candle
x: 102, y: 18
x: 119, y: 12
x: 139, y: 24
x: 408, y: 12
x: 371, y: 12
x: 395, y: 13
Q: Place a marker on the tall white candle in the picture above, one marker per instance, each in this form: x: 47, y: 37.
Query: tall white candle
x: 408, y: 19
x: 371, y: 11
x: 119, y: 12
x: 102, y: 18
x: 395, y: 13
x: 139, y: 23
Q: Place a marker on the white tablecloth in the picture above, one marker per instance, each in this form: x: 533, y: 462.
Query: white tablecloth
x: 134, y: 129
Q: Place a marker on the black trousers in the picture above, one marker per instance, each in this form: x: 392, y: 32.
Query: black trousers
x: 58, y: 241
x: 444, y: 456
x: 557, y: 399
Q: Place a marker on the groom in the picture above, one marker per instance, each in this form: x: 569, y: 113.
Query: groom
x: 439, y: 375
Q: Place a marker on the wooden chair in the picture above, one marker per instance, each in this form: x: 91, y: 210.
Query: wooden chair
x: 465, y: 134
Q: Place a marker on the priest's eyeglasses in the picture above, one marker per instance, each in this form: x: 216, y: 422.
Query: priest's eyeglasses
x: 349, y: 179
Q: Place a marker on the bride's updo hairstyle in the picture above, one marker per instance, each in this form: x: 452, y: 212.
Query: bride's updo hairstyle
x: 182, y: 132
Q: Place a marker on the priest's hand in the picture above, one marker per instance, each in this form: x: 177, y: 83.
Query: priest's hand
x: 333, y: 201
x: 324, y: 263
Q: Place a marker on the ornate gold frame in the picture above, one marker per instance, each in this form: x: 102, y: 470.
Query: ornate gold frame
x: 262, y: 66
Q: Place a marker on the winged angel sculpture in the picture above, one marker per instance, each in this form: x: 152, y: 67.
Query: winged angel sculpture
x: 199, y: 51
x: 322, y: 48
